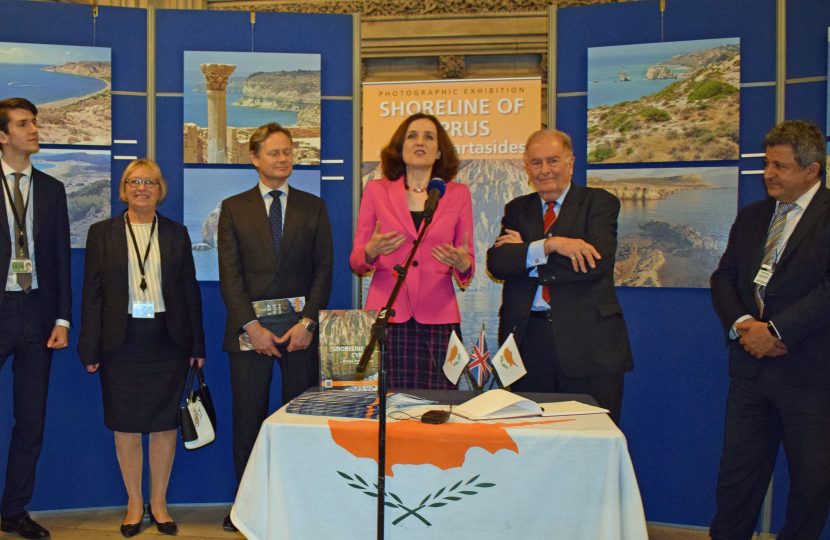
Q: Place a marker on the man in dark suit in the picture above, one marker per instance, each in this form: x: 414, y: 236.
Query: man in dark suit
x: 35, y: 306
x: 274, y: 242
x: 556, y: 257
x: 772, y: 294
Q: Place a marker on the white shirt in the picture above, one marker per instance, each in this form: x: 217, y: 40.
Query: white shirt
x: 793, y: 217
x: 267, y: 199
x: 25, y: 185
x: 536, y: 254
x: 152, y: 267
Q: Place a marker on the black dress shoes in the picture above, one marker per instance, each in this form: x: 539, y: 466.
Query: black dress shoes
x: 169, y: 528
x: 228, y: 524
x: 128, y: 531
x: 23, y: 525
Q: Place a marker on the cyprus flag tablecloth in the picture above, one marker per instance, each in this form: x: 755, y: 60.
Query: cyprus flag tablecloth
x: 569, y: 478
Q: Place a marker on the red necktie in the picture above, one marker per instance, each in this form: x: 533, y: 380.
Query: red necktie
x: 550, y: 218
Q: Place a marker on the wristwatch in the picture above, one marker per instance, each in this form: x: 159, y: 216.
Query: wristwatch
x: 310, y: 326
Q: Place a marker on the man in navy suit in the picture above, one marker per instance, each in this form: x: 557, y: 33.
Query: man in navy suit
x: 35, y: 303
x: 555, y: 254
x: 772, y: 293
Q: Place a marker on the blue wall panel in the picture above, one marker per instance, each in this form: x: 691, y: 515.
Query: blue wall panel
x: 330, y: 36
x: 675, y: 398
x: 78, y: 467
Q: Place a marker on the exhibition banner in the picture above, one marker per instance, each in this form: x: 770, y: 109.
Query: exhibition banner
x: 488, y: 122
x: 486, y: 119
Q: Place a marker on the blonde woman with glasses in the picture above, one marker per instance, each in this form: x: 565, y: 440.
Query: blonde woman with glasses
x: 141, y: 328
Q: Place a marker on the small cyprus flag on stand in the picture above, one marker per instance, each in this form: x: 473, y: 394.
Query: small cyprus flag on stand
x: 456, y: 359
x: 508, y: 362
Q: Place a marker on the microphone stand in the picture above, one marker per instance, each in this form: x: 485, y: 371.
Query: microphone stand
x: 380, y: 337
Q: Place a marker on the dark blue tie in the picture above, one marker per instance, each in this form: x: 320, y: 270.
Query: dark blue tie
x: 275, y: 218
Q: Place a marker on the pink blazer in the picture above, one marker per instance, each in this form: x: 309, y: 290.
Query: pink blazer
x: 427, y: 293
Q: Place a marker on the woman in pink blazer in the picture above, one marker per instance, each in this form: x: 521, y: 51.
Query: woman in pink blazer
x: 391, y: 215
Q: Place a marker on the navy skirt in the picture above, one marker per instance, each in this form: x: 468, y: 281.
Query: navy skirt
x: 143, y: 381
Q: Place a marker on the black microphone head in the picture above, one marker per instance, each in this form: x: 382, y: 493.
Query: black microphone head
x: 439, y: 184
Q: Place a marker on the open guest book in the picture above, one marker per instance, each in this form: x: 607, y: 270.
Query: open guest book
x: 501, y: 404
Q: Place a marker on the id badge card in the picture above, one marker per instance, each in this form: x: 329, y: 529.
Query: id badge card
x: 22, y: 266
x: 144, y: 310
x: 764, y: 275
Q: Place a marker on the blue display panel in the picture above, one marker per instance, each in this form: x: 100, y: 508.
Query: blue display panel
x: 675, y: 398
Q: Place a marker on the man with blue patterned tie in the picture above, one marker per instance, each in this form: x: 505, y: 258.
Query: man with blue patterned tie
x: 274, y: 242
x: 35, y: 302
x: 772, y: 293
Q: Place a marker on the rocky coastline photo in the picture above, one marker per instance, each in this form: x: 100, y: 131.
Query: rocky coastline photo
x: 673, y: 224
x: 86, y: 176
x: 204, y: 191
x: 681, y: 103
x: 228, y: 95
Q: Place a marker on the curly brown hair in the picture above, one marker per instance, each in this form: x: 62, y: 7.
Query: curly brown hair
x: 392, y: 164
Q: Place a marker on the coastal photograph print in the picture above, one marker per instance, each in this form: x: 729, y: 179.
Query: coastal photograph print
x: 227, y: 95
x: 673, y: 225
x: 204, y: 191
x: 664, y: 102
x: 69, y: 85
x: 86, y: 176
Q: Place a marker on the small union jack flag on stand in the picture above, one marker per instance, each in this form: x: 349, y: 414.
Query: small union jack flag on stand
x: 480, y: 365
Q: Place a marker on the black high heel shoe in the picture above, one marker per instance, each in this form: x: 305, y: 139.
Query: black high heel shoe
x: 128, y: 531
x: 169, y: 528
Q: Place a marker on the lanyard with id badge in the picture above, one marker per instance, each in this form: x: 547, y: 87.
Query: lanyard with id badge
x: 143, y: 309
x: 22, y: 264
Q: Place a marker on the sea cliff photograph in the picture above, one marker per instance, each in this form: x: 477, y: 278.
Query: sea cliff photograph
x: 204, y: 191
x: 69, y: 85
x: 664, y: 102
x: 673, y: 225
x: 227, y: 95
x: 86, y: 176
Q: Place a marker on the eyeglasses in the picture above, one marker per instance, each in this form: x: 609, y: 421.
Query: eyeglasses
x: 135, y: 182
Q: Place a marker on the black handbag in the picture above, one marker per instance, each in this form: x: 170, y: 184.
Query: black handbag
x: 197, y: 417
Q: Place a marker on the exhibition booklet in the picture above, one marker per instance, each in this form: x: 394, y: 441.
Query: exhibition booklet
x: 344, y: 333
x: 276, y: 316
x: 351, y: 404
x: 501, y: 404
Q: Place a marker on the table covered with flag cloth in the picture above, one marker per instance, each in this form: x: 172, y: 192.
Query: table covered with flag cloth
x: 312, y: 477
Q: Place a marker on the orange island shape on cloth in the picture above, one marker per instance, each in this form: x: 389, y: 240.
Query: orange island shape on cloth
x: 411, y: 442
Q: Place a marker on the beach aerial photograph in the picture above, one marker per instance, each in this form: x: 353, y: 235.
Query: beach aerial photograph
x: 86, y: 176
x: 664, y: 102
x: 69, y: 85
x: 227, y: 95
x: 673, y: 225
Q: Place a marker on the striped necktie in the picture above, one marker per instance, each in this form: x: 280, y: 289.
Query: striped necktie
x: 771, y: 253
x: 20, y: 237
x: 550, y: 218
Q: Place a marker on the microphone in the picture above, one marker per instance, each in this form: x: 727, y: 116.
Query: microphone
x: 436, y: 189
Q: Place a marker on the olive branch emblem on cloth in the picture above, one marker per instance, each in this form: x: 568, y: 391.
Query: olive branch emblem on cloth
x: 437, y: 499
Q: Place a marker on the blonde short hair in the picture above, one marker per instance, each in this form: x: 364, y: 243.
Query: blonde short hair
x: 151, y: 166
